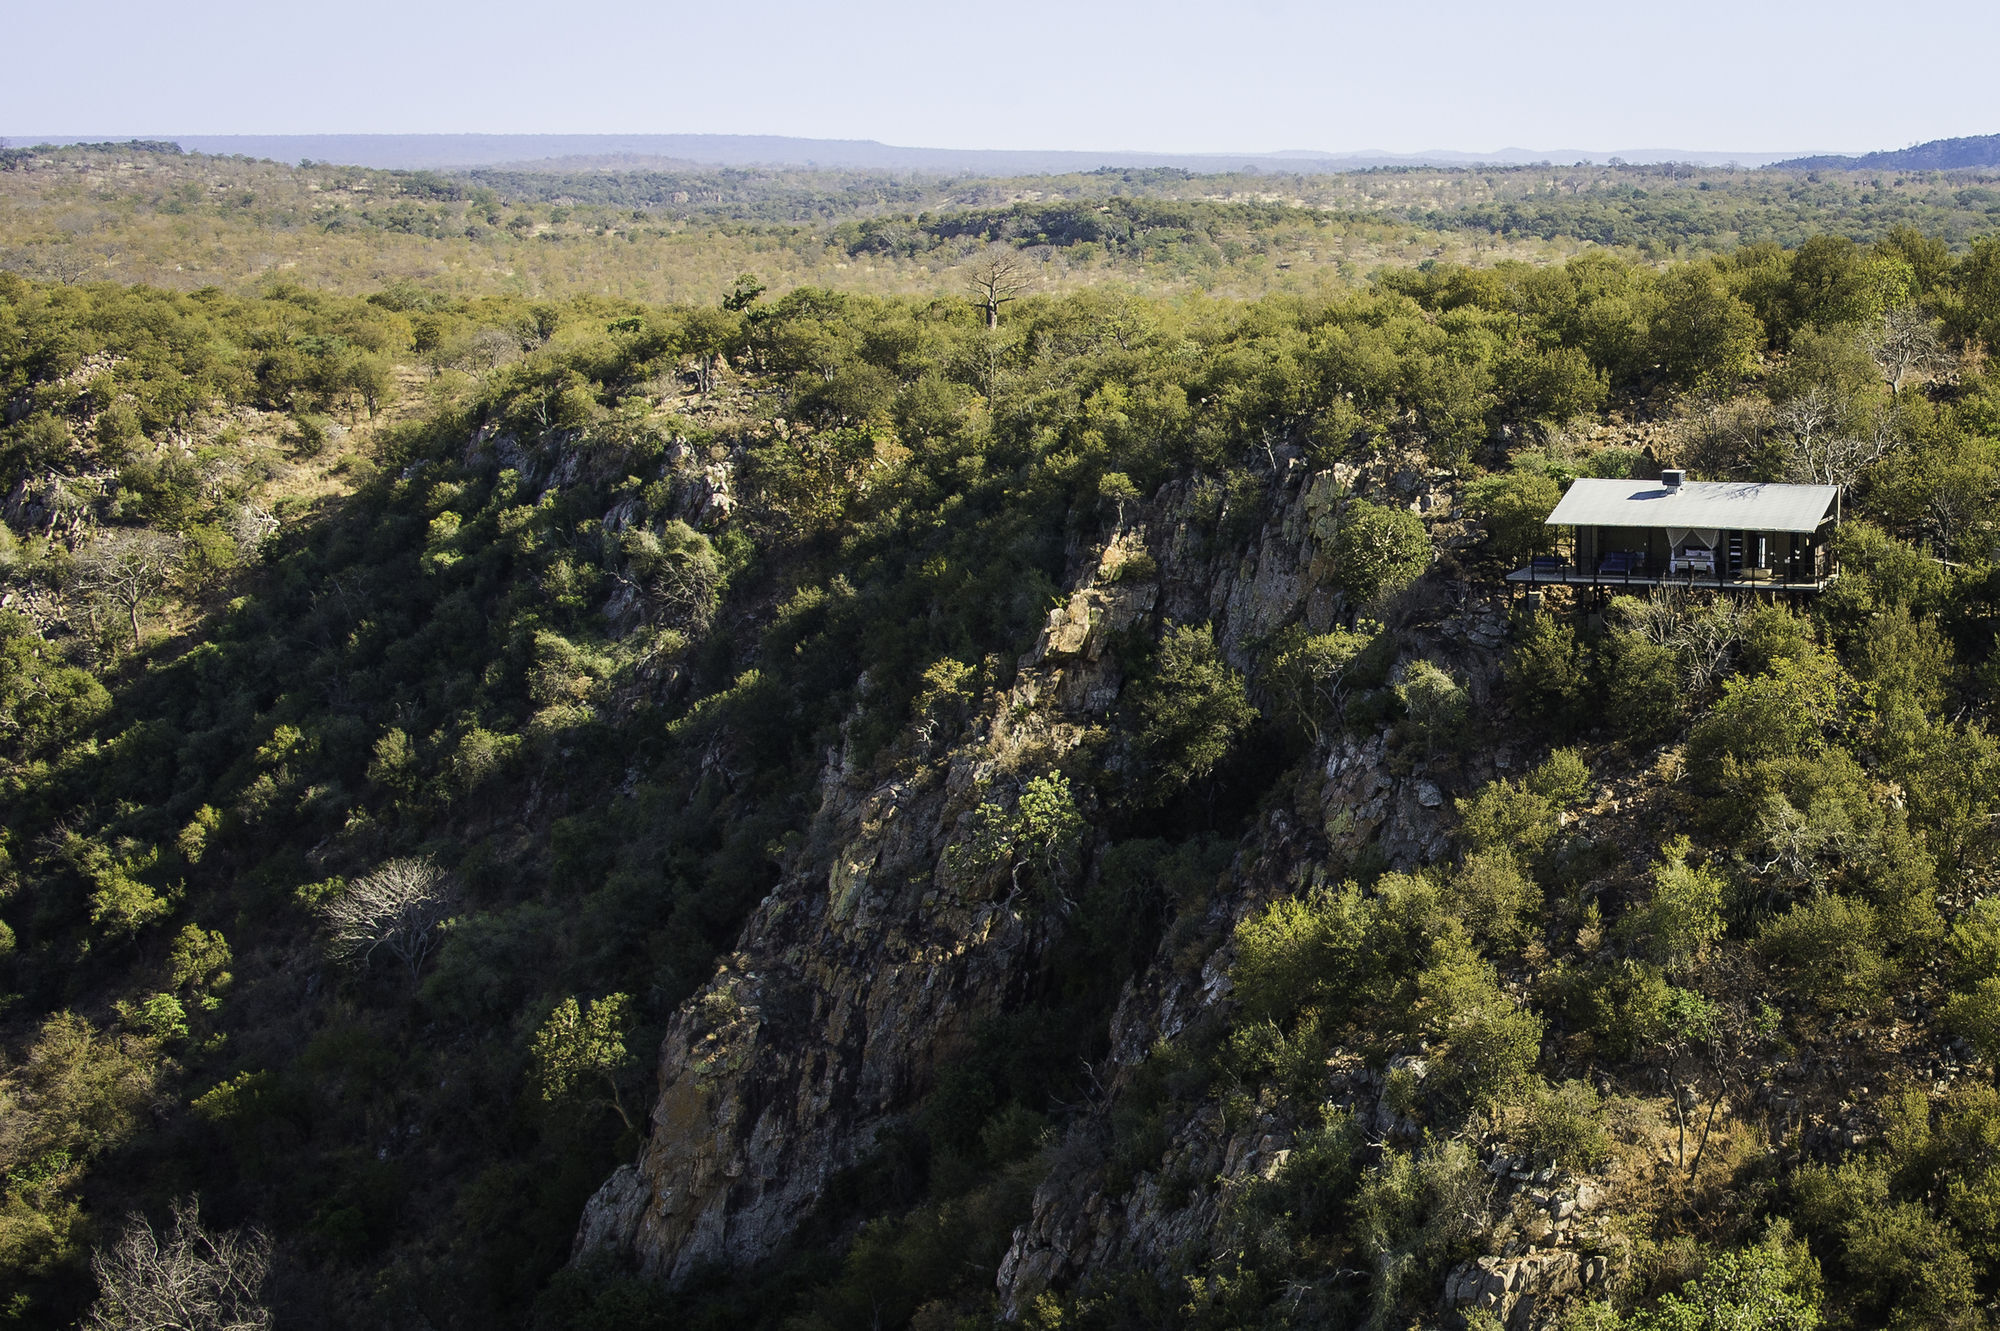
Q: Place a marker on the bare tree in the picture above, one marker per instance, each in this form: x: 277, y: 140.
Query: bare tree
x: 1717, y: 439
x: 1905, y: 346
x: 187, y: 1280
x: 1837, y: 458
x: 129, y: 569
x: 399, y: 909
x: 65, y: 264
x: 1819, y: 451
x: 997, y: 277
x: 1703, y: 635
x: 1811, y: 415
x: 1831, y: 459
x: 1950, y: 515
x: 250, y: 526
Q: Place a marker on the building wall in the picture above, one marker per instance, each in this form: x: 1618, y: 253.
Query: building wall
x: 1589, y: 546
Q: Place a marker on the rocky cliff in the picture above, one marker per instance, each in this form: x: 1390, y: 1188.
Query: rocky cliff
x: 871, y: 962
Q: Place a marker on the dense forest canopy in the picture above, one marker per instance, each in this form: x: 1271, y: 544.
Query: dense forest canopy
x: 411, y: 679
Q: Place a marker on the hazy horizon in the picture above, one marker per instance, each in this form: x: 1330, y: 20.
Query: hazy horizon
x: 477, y: 148
x: 1116, y: 77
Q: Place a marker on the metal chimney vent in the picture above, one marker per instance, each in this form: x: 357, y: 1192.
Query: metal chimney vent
x: 1672, y: 477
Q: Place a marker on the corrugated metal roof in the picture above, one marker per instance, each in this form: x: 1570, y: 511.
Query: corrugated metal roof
x: 1736, y: 505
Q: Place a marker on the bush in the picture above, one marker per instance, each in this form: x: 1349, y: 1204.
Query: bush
x: 1290, y: 1216
x: 1684, y: 913
x: 1307, y: 675
x: 1563, y: 779
x: 1642, y: 689
x: 1507, y: 816
x: 1548, y: 675
x: 1622, y: 1004
x: 1436, y: 706
x: 1491, y: 1042
x: 1564, y: 1126
x: 1829, y: 950
x: 1192, y: 710
x: 1035, y: 844
x: 310, y: 434
x: 1771, y: 1286
x: 1780, y: 715
x: 1975, y: 1015
x: 1298, y: 952
x: 1379, y: 551
x: 1416, y: 1215
x: 1975, y: 944
x: 1515, y: 508
x: 1493, y: 897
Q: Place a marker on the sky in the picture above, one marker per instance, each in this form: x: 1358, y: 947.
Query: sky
x: 1257, y: 75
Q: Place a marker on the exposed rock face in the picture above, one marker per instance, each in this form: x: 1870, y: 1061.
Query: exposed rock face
x: 1514, y: 1289
x: 850, y: 988
x: 871, y: 962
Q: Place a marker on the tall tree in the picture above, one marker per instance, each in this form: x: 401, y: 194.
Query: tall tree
x: 997, y: 277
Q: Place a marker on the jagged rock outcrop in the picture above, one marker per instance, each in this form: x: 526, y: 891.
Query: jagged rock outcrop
x: 848, y: 991
x: 856, y: 977
x: 1514, y: 1289
x: 869, y: 965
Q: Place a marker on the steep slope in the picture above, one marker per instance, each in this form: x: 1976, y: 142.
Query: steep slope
x: 875, y: 958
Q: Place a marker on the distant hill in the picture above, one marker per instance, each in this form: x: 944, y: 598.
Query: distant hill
x: 1937, y: 155
x: 662, y: 151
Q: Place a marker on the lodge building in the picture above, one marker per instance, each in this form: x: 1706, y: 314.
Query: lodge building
x: 1732, y: 535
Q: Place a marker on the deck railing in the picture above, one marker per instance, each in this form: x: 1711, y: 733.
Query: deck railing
x: 1555, y: 572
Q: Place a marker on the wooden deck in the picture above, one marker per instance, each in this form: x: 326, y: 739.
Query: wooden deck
x: 1727, y: 582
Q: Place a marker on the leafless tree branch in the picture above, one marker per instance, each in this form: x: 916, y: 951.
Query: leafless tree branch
x: 185, y: 1280
x: 399, y: 909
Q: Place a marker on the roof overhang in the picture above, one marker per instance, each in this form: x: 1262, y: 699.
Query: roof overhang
x: 1730, y: 505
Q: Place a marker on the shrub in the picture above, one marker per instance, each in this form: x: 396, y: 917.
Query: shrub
x: 1779, y: 715
x: 1307, y: 1199
x: 1829, y: 950
x: 1515, y: 507
x: 1416, y: 1215
x: 1975, y: 1015
x: 1623, y: 1004
x: 1975, y: 943
x: 1298, y: 952
x: 1684, y: 913
x: 1491, y: 1042
x: 1565, y: 1125
x: 1492, y: 896
x: 1506, y: 816
x: 1379, y: 551
x: 1036, y: 843
x: 1563, y: 779
x: 1773, y: 1285
x: 1308, y: 674
x: 1548, y: 675
x: 310, y: 433
x: 1436, y: 706
x: 1642, y: 689
x: 1191, y: 710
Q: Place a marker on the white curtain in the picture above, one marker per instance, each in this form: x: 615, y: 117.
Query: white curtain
x: 1703, y: 536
